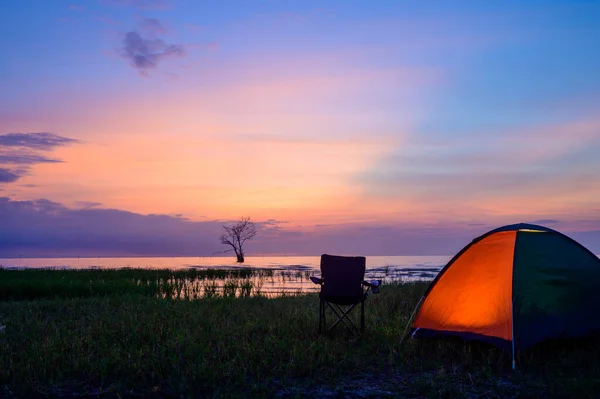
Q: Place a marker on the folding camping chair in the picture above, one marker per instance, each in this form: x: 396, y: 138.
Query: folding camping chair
x: 342, y: 288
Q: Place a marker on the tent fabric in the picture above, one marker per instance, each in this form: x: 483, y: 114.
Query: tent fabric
x: 515, y: 285
x: 556, y: 289
x: 474, y: 299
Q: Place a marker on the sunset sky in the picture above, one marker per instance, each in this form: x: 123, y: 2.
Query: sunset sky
x: 139, y: 127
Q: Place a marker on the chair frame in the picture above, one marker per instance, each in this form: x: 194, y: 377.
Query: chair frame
x: 343, y: 311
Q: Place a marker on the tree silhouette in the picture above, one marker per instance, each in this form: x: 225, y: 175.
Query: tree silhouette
x: 236, y: 235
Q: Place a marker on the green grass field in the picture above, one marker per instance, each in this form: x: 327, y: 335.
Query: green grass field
x: 119, y: 340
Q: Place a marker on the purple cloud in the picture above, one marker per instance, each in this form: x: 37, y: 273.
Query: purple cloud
x: 144, y: 51
x: 88, y: 204
x: 545, y: 221
x: 152, y: 26
x: 25, y: 159
x: 37, y: 141
x: 24, y: 149
x: 142, y: 4
x: 8, y: 176
x: 46, y: 228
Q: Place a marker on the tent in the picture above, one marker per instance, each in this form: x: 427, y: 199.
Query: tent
x: 514, y: 287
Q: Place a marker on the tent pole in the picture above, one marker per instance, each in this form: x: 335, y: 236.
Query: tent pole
x: 514, y: 364
x: 411, y: 319
x: 512, y: 338
x: 512, y: 301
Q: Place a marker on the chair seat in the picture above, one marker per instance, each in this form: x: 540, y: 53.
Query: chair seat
x: 343, y: 300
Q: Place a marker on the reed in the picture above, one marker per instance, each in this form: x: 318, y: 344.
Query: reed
x: 33, y: 284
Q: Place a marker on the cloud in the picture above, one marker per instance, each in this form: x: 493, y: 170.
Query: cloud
x: 144, y: 50
x: 147, y: 53
x: 25, y: 159
x: 534, y: 166
x: 545, y: 221
x: 142, y: 4
x: 88, y: 204
x: 8, y: 176
x: 38, y: 141
x: 152, y: 26
x: 271, y: 227
x: 24, y: 149
x: 274, y: 222
x: 107, y: 20
x: 196, y: 28
x: 46, y: 228
x: 367, y: 239
x: 213, y: 46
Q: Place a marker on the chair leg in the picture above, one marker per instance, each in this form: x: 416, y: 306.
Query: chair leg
x: 322, y: 321
x: 362, y: 317
x: 324, y: 316
x: 343, y: 317
x: 320, y: 314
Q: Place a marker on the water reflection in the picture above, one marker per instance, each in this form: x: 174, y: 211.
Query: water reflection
x: 218, y: 276
x: 236, y: 283
x: 289, y: 280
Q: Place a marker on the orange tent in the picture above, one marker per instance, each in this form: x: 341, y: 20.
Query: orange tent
x: 513, y: 287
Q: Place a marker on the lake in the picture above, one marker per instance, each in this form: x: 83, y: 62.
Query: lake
x: 287, y: 274
x: 290, y: 273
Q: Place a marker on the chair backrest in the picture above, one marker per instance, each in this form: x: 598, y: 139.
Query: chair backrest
x: 342, y: 276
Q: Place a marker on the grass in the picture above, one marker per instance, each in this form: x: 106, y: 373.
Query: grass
x: 119, y: 344
x: 34, y: 284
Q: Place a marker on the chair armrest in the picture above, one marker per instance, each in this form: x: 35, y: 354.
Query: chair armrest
x: 372, y: 283
x: 316, y: 280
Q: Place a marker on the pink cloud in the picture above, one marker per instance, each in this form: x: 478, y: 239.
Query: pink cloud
x: 141, y: 4
x: 213, y: 46
x: 107, y: 20
x: 196, y: 28
x: 542, y: 173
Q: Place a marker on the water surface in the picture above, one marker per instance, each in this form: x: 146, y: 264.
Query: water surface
x: 290, y: 273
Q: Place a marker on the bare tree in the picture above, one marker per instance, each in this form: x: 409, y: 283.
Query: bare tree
x: 236, y: 235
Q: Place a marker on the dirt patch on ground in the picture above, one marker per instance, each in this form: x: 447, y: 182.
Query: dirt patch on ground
x: 392, y: 384
x: 410, y: 385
